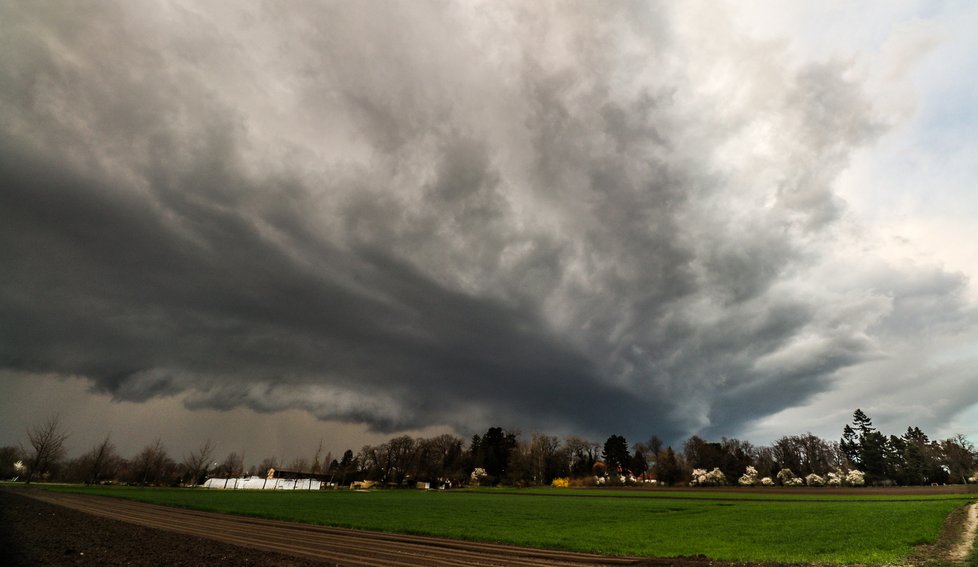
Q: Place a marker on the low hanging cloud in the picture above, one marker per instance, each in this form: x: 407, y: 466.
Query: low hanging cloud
x: 572, y: 218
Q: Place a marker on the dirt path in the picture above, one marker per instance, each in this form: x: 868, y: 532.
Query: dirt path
x: 964, y: 547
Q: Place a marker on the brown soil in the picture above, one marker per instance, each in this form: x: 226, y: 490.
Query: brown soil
x: 43, y: 528
x: 33, y: 532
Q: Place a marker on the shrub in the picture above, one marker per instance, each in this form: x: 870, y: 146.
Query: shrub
x: 785, y: 476
x: 712, y: 478
x: 478, y: 475
x: 855, y: 478
x: 584, y: 482
x: 560, y: 483
x: 767, y: 481
x: 749, y: 477
x: 814, y: 480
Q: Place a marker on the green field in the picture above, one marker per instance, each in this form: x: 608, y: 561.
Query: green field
x: 725, y: 526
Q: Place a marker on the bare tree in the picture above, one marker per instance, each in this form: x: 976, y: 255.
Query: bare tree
x: 369, y: 460
x: 959, y: 457
x: 299, y: 464
x: 152, y: 463
x: 47, y: 443
x: 267, y: 463
x: 232, y: 466
x: 101, y: 458
x: 439, y: 458
x: 582, y: 455
x: 197, y: 462
x: 317, y: 463
x: 398, y: 459
x: 544, y: 456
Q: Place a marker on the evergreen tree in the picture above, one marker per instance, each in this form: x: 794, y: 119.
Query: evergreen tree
x: 667, y: 468
x: 639, y: 465
x: 867, y: 448
x: 873, y: 455
x: 850, y: 445
x: 347, y: 466
x: 616, y: 454
x: 494, y: 451
x: 913, y: 464
x: 862, y: 422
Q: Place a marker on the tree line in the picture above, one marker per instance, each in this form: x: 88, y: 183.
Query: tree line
x: 501, y: 457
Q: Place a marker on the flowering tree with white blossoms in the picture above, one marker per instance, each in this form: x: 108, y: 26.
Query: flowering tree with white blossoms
x: 814, y: 480
x: 749, y: 477
x: 785, y: 476
x: 477, y: 475
x: 835, y: 478
x: 703, y: 478
x: 855, y: 478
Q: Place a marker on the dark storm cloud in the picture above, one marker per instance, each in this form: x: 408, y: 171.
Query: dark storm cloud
x: 414, y: 215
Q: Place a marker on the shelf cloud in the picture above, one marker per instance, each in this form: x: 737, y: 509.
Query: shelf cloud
x: 585, y: 218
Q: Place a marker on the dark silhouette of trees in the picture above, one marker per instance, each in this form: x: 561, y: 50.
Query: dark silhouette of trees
x: 804, y: 454
x: 152, y: 465
x: 703, y: 455
x: 47, y: 447
x: 317, y: 459
x: 440, y: 460
x: 667, y: 468
x: 639, y: 464
x: 616, y: 455
x: 543, y: 459
x: 849, y: 444
x: 908, y: 459
x: 645, y: 455
x: 232, y: 466
x: 494, y: 449
x: 347, y: 467
x: 582, y: 455
x: 866, y: 448
x: 102, y: 461
x: 959, y: 457
x: 396, y: 458
x: 197, y: 462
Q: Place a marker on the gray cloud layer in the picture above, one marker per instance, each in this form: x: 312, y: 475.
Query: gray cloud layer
x: 406, y: 215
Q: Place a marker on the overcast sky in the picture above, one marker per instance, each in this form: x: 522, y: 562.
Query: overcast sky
x: 271, y: 223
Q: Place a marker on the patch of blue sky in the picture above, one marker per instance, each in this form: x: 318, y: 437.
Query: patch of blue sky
x: 948, y: 113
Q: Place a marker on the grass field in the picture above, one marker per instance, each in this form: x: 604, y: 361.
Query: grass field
x: 726, y: 526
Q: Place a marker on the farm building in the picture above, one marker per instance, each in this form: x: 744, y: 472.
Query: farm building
x: 274, y: 480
